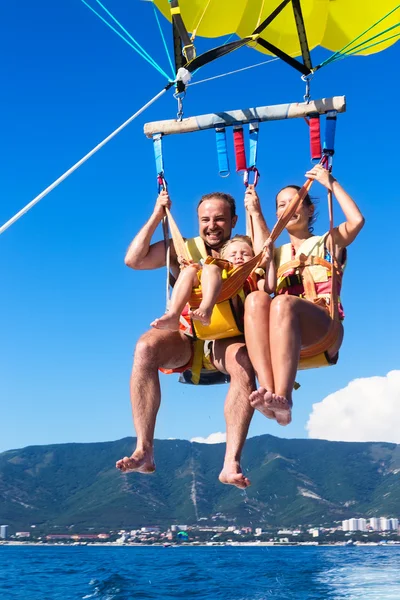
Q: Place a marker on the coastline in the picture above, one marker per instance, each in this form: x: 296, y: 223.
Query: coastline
x: 206, y: 545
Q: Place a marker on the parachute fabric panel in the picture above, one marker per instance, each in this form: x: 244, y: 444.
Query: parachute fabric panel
x: 347, y: 20
x: 297, y: 29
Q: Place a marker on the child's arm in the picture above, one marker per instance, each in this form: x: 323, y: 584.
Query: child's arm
x: 143, y: 255
x: 269, y: 267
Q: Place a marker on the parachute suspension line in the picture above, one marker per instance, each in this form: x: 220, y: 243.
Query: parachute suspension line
x: 360, y: 47
x: 133, y: 44
x: 164, y: 42
x: 341, y: 52
x: 261, y: 11
x: 391, y: 37
x: 265, y: 62
x: 193, y: 36
x: 82, y: 160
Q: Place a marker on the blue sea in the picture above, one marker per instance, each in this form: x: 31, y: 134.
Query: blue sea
x: 209, y: 573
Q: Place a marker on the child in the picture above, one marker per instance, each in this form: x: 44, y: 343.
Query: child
x: 234, y: 253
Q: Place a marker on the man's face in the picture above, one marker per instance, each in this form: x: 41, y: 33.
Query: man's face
x: 215, y: 222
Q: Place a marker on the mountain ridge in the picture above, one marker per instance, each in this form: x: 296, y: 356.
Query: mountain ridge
x: 294, y: 482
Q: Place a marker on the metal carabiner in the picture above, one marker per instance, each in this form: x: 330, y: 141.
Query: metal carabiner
x: 179, y: 97
x: 255, y: 178
x: 307, y: 80
x: 162, y: 182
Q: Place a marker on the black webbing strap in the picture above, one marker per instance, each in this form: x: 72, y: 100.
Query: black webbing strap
x: 301, y: 32
x: 215, y: 53
x: 271, y: 17
x: 179, y: 58
x: 178, y: 23
x: 280, y: 54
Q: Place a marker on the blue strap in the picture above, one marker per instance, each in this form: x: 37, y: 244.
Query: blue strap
x: 222, y: 152
x: 158, y: 155
x: 330, y: 129
x: 253, y: 137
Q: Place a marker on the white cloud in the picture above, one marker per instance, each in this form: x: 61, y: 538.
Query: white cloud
x: 213, y: 438
x: 366, y: 410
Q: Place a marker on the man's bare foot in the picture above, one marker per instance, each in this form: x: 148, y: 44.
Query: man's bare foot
x: 257, y: 400
x: 232, y: 474
x: 167, y: 321
x: 201, y: 314
x: 139, y: 462
x: 267, y: 403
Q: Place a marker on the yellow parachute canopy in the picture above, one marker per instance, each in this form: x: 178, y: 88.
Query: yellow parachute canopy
x: 329, y: 23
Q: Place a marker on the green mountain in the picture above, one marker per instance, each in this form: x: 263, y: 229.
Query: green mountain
x: 294, y: 482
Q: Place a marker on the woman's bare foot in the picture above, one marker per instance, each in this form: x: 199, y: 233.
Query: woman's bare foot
x: 140, y: 462
x: 231, y: 474
x: 257, y: 400
x: 267, y: 403
x: 168, y: 321
x: 201, y: 314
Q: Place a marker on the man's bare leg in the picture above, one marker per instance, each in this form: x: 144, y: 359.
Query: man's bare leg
x: 256, y: 326
x: 211, y: 282
x: 167, y: 349
x: 186, y: 281
x: 231, y: 357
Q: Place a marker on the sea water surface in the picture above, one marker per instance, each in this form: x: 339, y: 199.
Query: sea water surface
x: 209, y: 573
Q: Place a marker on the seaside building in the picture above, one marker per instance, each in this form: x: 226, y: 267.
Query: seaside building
x: 314, y: 532
x: 374, y: 524
x: 353, y: 525
x: 385, y: 524
x: 345, y: 525
x: 394, y: 524
x: 23, y: 534
x: 3, y: 532
x: 362, y: 524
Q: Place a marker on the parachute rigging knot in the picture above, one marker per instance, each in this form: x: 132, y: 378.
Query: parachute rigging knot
x: 183, y: 75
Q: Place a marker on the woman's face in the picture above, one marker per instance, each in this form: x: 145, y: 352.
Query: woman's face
x: 301, y: 217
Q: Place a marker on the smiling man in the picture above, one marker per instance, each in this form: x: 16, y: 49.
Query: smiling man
x: 173, y: 350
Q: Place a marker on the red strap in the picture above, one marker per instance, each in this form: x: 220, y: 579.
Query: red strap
x: 240, y: 152
x: 315, y: 138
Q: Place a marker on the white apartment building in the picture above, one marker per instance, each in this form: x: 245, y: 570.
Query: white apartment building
x: 385, y: 524
x: 3, y: 532
x: 353, y: 524
x: 374, y: 524
x: 362, y: 524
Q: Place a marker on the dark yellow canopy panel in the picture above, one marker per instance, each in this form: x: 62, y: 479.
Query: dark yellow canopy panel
x: 329, y: 23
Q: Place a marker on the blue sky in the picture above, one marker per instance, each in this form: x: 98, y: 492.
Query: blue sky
x: 71, y: 311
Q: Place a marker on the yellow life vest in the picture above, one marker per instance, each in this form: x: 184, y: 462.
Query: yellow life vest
x: 224, y: 323
x: 310, y: 265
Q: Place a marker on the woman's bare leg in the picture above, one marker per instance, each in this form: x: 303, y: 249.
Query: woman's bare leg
x: 294, y: 322
x: 186, y: 281
x: 211, y: 282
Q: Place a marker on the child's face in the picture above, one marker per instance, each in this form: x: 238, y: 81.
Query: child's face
x: 238, y: 253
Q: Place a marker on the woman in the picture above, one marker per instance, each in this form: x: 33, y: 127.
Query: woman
x: 278, y: 329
